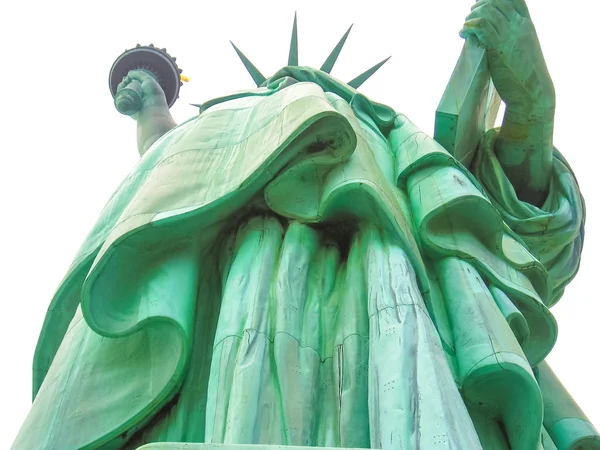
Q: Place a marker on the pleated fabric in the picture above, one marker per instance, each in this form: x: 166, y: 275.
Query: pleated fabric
x: 338, y: 279
x: 317, y: 344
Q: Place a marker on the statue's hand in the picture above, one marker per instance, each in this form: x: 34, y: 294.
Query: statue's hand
x: 144, y: 85
x: 514, y: 54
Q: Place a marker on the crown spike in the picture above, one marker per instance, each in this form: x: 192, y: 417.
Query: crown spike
x: 293, y: 56
x: 359, y: 80
x: 332, y: 58
x: 251, y: 68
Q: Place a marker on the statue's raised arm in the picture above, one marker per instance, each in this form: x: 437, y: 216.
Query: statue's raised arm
x: 519, y: 72
x: 153, y: 117
x: 298, y: 265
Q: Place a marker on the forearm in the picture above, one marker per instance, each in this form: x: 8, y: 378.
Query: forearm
x: 152, y: 123
x: 524, y: 148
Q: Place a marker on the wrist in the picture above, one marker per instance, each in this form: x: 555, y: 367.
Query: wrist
x: 151, y: 112
x: 538, y: 107
x: 538, y: 113
x: 152, y: 123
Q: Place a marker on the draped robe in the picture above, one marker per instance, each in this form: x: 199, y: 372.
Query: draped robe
x: 299, y: 265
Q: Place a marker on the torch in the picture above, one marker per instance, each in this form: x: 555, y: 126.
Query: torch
x: 158, y: 63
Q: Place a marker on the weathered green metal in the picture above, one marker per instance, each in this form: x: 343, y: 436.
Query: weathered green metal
x: 333, y: 56
x: 469, y: 105
x: 293, y: 56
x: 251, y: 68
x: 300, y: 266
x: 359, y: 80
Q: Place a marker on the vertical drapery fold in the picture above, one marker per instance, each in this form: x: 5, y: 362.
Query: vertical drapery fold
x: 295, y: 266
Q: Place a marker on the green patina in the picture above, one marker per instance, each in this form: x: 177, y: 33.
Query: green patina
x: 298, y: 265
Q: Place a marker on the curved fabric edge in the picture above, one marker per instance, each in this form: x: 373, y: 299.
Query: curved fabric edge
x: 58, y: 317
x: 100, y: 389
x: 67, y: 298
x: 124, y: 255
x: 553, y: 231
x: 117, y: 294
x: 354, y: 189
x: 114, y: 320
x: 454, y: 217
x: 480, y: 241
x: 121, y: 255
x: 492, y: 372
x: 565, y: 422
x: 68, y: 295
x: 334, y: 136
x: 67, y: 414
x: 575, y: 434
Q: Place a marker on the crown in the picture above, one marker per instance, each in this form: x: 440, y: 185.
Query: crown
x: 259, y: 78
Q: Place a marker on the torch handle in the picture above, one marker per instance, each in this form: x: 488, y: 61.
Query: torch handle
x: 128, y: 101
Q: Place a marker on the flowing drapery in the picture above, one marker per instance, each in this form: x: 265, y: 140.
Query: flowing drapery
x: 314, y: 153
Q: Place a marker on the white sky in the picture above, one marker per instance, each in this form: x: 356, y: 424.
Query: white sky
x: 67, y: 148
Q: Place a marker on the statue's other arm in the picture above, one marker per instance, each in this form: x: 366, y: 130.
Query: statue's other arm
x: 524, y: 144
x: 152, y: 123
x: 153, y: 118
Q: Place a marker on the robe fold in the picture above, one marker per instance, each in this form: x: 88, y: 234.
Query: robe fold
x: 298, y: 265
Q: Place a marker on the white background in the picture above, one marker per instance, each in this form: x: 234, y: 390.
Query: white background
x: 65, y: 149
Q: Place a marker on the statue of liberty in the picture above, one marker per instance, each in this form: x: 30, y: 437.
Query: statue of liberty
x: 298, y: 265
